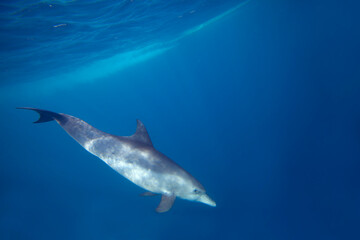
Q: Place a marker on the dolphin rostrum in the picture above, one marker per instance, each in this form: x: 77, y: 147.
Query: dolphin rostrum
x: 135, y: 158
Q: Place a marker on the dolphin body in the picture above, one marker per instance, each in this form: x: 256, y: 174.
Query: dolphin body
x: 135, y: 158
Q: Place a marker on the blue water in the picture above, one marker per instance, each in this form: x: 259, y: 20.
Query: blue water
x: 258, y: 100
x: 52, y: 36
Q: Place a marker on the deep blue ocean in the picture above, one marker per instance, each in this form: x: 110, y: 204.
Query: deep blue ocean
x: 259, y: 100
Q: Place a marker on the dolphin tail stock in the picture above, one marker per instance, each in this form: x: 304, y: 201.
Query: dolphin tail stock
x: 45, y: 116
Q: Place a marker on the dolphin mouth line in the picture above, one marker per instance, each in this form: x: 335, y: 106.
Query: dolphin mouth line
x: 207, y: 200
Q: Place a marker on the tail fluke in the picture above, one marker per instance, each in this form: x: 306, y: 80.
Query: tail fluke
x: 45, y: 116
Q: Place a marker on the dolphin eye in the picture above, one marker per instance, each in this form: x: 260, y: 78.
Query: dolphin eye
x: 196, y: 191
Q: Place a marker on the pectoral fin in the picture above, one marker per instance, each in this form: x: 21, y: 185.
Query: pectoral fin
x: 166, y: 203
x: 148, y: 194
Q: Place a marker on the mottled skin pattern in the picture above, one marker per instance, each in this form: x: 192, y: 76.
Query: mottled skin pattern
x: 135, y: 158
x: 139, y: 162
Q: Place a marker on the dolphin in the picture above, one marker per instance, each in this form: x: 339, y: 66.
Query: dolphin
x: 135, y: 158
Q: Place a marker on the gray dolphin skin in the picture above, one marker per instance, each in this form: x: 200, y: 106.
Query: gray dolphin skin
x: 135, y: 158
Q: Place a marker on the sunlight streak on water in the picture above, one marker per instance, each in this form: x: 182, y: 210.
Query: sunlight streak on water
x: 101, y: 68
x: 86, y: 74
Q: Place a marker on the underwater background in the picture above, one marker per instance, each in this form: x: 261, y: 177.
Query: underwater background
x: 258, y: 100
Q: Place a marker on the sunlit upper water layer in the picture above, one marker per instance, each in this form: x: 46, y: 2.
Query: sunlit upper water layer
x: 42, y: 39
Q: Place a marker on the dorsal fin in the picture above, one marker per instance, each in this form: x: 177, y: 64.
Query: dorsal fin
x: 141, y: 134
